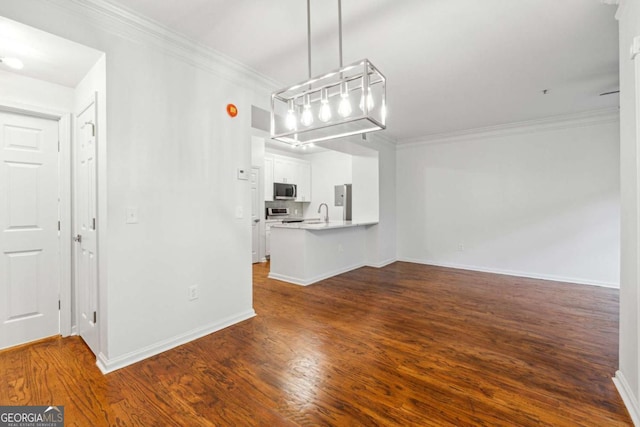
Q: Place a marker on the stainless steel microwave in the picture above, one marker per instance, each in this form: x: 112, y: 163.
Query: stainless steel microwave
x: 282, y: 191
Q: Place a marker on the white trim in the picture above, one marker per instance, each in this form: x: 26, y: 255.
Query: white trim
x: 627, y: 397
x: 635, y: 47
x: 551, y: 277
x: 31, y: 110
x: 64, y: 119
x: 315, y: 279
x: 383, y: 263
x: 589, y: 118
x: 107, y: 365
x: 124, y: 22
x: 64, y: 135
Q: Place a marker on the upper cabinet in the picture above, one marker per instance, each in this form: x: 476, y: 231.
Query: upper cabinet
x: 284, y: 169
x: 290, y: 171
x: 303, y: 181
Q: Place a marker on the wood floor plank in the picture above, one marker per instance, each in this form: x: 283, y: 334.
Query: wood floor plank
x: 405, y: 345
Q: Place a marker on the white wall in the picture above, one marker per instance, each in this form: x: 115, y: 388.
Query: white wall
x: 627, y: 377
x: 172, y: 153
x: 366, y: 194
x: 535, y: 202
x: 328, y: 169
x: 17, y: 89
x: 381, y: 238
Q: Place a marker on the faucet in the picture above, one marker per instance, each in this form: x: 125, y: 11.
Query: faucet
x: 326, y: 218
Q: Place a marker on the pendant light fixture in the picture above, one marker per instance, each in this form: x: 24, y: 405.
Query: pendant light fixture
x: 328, y: 98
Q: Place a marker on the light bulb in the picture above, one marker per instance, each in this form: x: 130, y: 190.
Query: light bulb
x: 14, y: 63
x: 290, y: 120
x: 325, y: 110
x: 307, y: 116
x: 344, y: 108
x: 370, y: 103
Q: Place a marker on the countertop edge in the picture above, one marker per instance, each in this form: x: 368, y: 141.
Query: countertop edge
x: 321, y: 227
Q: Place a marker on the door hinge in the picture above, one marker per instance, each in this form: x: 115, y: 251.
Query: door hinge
x: 95, y: 317
x: 94, y: 223
x: 58, y: 146
x: 59, y: 305
x: 58, y: 225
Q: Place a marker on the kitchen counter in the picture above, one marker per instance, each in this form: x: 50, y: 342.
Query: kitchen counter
x: 303, y: 253
x: 317, y: 225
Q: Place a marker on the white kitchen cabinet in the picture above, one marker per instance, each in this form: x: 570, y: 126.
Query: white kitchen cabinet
x: 288, y: 170
x: 268, y: 177
x: 267, y: 235
x: 303, y: 181
x: 284, y: 169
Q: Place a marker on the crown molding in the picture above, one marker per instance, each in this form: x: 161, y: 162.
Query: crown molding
x: 136, y: 28
x: 588, y: 118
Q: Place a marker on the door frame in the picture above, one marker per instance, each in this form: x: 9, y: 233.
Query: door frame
x: 64, y: 119
x: 261, y: 250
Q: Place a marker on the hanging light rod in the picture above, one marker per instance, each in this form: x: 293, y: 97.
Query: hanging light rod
x: 321, y: 109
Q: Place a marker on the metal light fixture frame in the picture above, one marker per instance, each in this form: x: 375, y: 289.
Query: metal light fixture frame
x: 362, y: 80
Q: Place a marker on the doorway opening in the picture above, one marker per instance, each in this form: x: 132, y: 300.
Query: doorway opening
x: 41, y: 109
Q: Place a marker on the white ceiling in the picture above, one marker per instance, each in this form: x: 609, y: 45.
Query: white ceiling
x: 45, y: 56
x: 450, y: 65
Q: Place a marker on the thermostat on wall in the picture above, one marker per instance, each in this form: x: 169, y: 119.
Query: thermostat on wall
x: 243, y: 174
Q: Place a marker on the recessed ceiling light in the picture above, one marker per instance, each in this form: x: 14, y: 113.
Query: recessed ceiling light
x: 14, y: 63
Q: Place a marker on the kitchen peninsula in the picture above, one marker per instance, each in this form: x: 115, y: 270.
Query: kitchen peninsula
x: 307, y: 252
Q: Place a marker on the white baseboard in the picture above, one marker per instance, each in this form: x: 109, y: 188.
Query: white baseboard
x: 528, y: 275
x: 383, y: 263
x: 107, y: 365
x: 628, y: 398
x: 303, y: 282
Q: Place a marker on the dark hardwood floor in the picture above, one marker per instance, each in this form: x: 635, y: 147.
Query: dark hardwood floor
x: 403, y: 345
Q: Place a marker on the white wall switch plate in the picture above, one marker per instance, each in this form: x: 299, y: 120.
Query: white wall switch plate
x: 132, y: 215
x: 243, y: 174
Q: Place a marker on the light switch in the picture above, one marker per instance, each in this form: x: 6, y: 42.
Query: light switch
x: 239, y: 212
x: 132, y: 215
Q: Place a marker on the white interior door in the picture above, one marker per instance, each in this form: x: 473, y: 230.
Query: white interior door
x: 30, y: 264
x: 255, y: 215
x: 85, y: 226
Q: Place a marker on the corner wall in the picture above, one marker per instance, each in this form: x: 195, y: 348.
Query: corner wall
x: 537, y: 200
x: 628, y: 376
x: 173, y: 154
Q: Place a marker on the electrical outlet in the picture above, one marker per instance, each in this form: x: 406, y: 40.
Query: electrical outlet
x: 194, y: 293
x: 461, y: 247
x: 132, y: 215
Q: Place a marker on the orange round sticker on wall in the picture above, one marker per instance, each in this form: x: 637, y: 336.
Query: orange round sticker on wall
x: 232, y: 110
